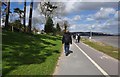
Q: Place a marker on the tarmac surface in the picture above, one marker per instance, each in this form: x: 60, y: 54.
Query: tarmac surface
x: 86, y: 61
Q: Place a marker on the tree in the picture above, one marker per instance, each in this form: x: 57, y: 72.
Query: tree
x: 7, y: 15
x: 30, y: 17
x: 3, y: 11
x: 58, y: 27
x: 0, y: 13
x: 47, y: 9
x: 65, y: 25
x: 49, y: 25
x: 20, y: 13
x: 16, y: 25
x: 24, y: 20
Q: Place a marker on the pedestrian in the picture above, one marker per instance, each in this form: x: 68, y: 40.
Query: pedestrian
x: 79, y: 38
x: 66, y: 40
x: 76, y: 38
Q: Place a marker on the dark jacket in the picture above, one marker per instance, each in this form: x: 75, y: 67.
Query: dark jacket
x: 79, y: 37
x: 68, y: 37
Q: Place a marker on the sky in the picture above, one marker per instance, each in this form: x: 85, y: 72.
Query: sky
x: 82, y: 16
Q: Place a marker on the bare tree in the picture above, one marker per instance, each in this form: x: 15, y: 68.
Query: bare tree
x: 7, y: 14
x: 47, y: 9
x: 24, y: 20
x: 0, y: 13
x: 30, y: 17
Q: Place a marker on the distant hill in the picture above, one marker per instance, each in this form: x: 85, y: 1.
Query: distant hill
x: 93, y: 34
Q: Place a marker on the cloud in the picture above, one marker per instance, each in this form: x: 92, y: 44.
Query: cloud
x: 67, y: 0
x: 79, y: 6
x: 83, y: 0
x: 104, y: 13
x: 65, y: 8
x: 116, y: 14
x: 73, y: 27
x: 77, y: 17
x: 109, y: 26
x: 69, y: 6
x: 37, y: 18
x: 89, y: 19
x: 100, y: 0
x: 79, y: 27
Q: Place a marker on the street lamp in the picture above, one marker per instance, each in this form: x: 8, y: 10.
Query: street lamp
x: 91, y: 31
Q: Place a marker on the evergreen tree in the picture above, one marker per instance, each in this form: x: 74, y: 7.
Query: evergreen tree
x: 58, y: 27
x: 19, y: 12
x: 49, y: 25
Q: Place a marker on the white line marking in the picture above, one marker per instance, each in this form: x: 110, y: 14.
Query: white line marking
x: 99, y: 68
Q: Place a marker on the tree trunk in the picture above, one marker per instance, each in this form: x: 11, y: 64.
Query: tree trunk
x: 0, y: 13
x: 24, y: 20
x: 7, y: 15
x: 30, y: 17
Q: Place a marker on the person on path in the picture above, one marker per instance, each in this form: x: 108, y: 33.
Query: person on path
x: 66, y: 40
x: 79, y: 38
x: 76, y: 38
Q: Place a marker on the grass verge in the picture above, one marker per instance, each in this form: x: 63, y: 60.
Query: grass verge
x: 25, y: 54
x: 109, y: 50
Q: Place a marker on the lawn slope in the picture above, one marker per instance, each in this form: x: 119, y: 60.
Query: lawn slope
x: 25, y: 54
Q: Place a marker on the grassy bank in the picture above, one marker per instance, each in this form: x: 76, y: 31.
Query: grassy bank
x: 25, y: 54
x: 109, y: 50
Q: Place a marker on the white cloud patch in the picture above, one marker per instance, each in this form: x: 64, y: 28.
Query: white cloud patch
x: 89, y: 19
x: 69, y: 6
x: 99, y: 0
x: 79, y: 6
x: 116, y: 14
x: 73, y: 27
x: 66, y: 0
x: 79, y: 27
x: 77, y: 17
x: 104, y: 13
x: 81, y: 0
x: 109, y: 26
x: 67, y: 19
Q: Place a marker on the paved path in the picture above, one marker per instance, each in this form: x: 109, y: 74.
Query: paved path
x: 86, y: 61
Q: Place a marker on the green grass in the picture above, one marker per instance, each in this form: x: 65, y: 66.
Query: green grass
x: 109, y: 50
x: 25, y: 54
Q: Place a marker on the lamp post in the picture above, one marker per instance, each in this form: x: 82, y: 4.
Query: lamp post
x: 91, y: 31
